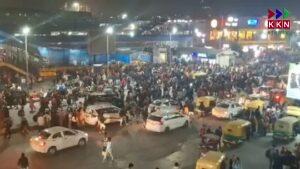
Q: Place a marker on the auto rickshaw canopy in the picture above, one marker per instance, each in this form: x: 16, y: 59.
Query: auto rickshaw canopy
x: 211, y: 160
x: 236, y: 128
x: 206, y: 100
x: 286, y: 124
x: 293, y: 111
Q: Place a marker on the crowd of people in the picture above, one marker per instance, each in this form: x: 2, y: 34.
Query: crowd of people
x: 136, y: 86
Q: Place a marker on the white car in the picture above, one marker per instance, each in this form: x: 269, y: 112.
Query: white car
x: 52, y: 139
x: 111, y: 113
x: 159, y: 122
x: 226, y: 110
x: 164, y: 105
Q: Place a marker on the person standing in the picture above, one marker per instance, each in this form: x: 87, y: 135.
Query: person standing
x: 130, y: 166
x: 23, y: 162
x: 108, y: 150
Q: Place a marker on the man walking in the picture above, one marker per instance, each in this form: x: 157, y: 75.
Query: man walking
x: 108, y: 150
x: 23, y: 162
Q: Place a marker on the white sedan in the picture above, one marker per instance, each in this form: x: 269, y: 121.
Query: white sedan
x: 57, y: 138
x: 226, y: 110
x: 158, y: 122
x: 164, y: 105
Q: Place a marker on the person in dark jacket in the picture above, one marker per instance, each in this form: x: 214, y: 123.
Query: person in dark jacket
x: 23, y: 162
x: 277, y: 164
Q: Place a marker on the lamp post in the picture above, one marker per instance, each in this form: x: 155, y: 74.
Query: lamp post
x: 26, y: 31
x: 173, y: 32
x: 109, y: 31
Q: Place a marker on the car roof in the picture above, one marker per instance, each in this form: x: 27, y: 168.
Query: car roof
x: 53, y: 130
x: 164, y: 113
x: 101, y: 105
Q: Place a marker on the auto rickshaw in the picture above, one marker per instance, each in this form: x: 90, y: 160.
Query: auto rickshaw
x: 255, y: 101
x: 211, y: 160
x: 293, y: 111
x: 198, y: 74
x: 286, y: 128
x: 235, y: 132
x: 208, y: 102
x: 278, y: 96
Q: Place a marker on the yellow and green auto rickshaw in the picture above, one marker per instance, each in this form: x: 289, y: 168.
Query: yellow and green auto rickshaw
x: 286, y: 128
x: 293, y: 111
x: 211, y: 160
x: 235, y: 132
x: 208, y: 102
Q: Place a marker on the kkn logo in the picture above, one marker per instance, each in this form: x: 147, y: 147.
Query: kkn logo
x: 278, y: 23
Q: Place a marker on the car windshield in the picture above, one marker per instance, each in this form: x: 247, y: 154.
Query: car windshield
x: 155, y: 118
x: 44, y: 135
x: 223, y: 105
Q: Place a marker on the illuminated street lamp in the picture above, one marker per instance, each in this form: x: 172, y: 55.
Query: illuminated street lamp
x: 132, y: 26
x: 214, y: 23
x: 109, y: 31
x: 26, y: 32
x: 76, y: 6
x: 124, y: 16
x: 131, y: 34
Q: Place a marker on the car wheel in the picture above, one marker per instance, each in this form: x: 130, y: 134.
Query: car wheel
x: 52, y: 150
x: 167, y: 129
x: 82, y: 142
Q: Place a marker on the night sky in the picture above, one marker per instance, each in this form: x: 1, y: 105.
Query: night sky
x: 165, y: 7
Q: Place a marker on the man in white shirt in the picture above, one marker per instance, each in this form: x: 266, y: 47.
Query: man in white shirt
x: 108, y: 150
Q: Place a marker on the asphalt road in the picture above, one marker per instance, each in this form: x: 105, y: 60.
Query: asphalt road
x: 133, y: 143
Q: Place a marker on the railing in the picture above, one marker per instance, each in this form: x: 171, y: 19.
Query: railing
x: 16, y: 57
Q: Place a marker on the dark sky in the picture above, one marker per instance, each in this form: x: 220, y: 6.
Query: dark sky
x: 150, y: 7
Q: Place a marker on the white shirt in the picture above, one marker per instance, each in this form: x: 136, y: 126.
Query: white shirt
x: 108, y: 146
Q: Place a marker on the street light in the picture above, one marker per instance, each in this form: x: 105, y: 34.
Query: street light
x: 124, y: 16
x: 26, y: 31
x: 132, y: 26
x: 173, y: 32
x: 108, y: 31
x: 76, y: 6
x: 131, y: 34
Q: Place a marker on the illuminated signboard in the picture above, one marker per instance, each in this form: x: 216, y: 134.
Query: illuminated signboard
x: 252, y: 22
